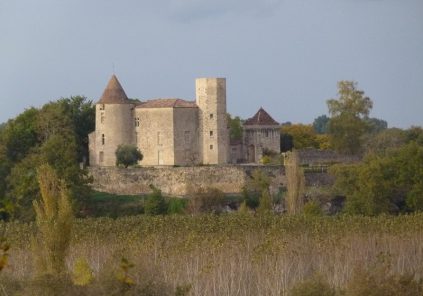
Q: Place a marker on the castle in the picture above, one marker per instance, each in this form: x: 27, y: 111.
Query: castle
x: 177, y: 132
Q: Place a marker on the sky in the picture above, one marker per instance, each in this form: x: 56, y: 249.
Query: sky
x: 283, y: 55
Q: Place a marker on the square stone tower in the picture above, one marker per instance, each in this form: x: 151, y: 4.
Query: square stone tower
x: 213, y: 128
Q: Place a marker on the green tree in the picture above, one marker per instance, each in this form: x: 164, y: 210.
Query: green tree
x: 388, y: 183
x: 348, y: 113
x: 127, y: 155
x: 320, y: 124
x: 235, y: 127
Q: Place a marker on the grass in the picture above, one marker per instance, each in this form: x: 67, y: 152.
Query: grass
x: 230, y: 254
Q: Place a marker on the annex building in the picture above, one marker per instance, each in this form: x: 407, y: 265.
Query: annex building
x: 172, y: 131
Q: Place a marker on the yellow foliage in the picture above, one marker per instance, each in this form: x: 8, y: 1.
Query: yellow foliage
x: 82, y: 274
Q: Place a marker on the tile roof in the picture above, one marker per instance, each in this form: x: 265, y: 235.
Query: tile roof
x: 261, y: 118
x: 114, y: 93
x: 167, y: 103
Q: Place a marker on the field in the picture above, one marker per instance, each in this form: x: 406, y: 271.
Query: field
x: 234, y: 254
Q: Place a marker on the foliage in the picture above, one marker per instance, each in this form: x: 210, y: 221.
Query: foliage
x: 320, y: 124
x: 265, y: 203
x: 303, y: 135
x: 265, y: 159
x: 295, y: 183
x: 257, y: 254
x: 205, y: 200
x: 4, y: 248
x: 377, y: 281
x: 82, y: 273
x: 54, y: 220
x: 127, y: 155
x: 155, y: 203
x: 235, y: 127
x: 386, y: 139
x: 375, y: 125
x: 348, y: 112
x: 317, y: 285
x: 37, y: 136
x: 312, y: 208
x: 386, y: 183
x: 176, y: 205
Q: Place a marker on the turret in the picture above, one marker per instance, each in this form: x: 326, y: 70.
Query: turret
x: 114, y: 123
x: 214, y: 136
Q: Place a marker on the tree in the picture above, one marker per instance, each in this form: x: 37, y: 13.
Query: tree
x: 320, y: 124
x: 383, y: 183
x: 54, y: 220
x: 295, y: 183
x: 348, y: 112
x: 303, y: 135
x: 235, y: 127
x: 127, y: 155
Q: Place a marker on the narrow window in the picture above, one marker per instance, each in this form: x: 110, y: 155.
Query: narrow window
x: 101, y: 156
x: 211, y: 133
x: 102, y: 107
x: 102, y: 117
x: 137, y: 122
x: 211, y: 115
x: 211, y: 147
x: 103, y: 139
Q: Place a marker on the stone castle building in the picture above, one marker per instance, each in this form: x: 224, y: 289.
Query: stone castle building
x: 175, y: 131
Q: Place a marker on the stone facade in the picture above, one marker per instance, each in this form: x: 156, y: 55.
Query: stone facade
x: 175, y: 131
x: 180, y: 181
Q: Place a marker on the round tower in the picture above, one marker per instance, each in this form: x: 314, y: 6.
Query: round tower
x: 114, y: 123
x: 214, y: 136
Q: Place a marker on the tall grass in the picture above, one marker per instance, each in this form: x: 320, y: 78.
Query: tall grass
x: 229, y: 254
x: 295, y: 183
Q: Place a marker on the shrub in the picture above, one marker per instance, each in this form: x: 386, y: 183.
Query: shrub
x: 206, y: 200
x: 176, y: 206
x: 155, y: 203
x: 265, y: 205
x: 312, y: 208
x: 314, y: 286
x: 127, y: 155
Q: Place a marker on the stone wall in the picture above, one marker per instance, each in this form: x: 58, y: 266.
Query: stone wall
x: 181, y: 180
x: 314, y: 156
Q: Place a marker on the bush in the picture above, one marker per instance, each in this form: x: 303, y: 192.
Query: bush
x: 312, y: 208
x: 127, y: 155
x: 155, y: 203
x: 315, y: 286
x: 206, y: 200
x: 176, y: 206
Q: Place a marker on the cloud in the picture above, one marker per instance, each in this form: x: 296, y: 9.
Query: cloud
x: 191, y: 10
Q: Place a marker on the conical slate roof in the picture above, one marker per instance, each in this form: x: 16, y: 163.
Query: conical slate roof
x: 114, y: 93
x: 261, y: 118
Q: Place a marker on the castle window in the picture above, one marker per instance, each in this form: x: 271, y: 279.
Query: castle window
x: 211, y: 133
x: 211, y: 115
x: 211, y: 147
x: 102, y: 117
x: 137, y: 121
x: 102, y: 107
x: 101, y: 156
x: 103, y: 139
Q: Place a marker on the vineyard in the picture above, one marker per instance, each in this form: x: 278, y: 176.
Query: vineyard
x: 233, y: 254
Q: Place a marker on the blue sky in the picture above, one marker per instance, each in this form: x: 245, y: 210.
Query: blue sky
x: 283, y: 55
